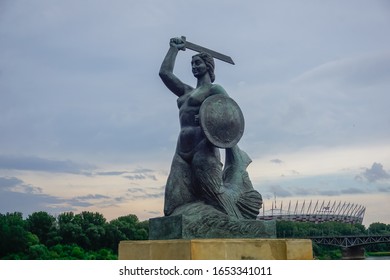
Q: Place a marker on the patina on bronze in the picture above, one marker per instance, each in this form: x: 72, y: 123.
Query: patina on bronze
x: 222, y: 121
x: 207, y: 200
x: 198, y: 48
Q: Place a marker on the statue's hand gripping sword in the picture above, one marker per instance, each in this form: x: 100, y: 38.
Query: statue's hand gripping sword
x: 198, y: 48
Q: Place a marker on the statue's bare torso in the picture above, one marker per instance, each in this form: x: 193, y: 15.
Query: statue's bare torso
x: 191, y: 135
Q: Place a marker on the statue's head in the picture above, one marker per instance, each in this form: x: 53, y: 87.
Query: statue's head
x: 209, y: 61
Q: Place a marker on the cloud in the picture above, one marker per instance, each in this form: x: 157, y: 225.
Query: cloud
x: 14, y: 184
x: 146, y: 193
x: 32, y: 163
x: 289, y: 173
x: 135, y: 175
x: 329, y: 192
x: 15, y: 195
x: 335, y: 184
x: 74, y: 202
x: 153, y: 213
x: 301, y: 191
x: 9, y: 182
x: 279, y: 191
x: 277, y: 161
x: 92, y: 197
x: 352, y: 191
x: 384, y: 189
x: 141, y: 177
x: 322, y: 107
x: 111, y: 173
x: 283, y: 192
x: 142, y: 170
x: 141, y: 174
x: 120, y: 199
x: 375, y: 173
x: 368, y: 69
x: 135, y: 190
x: 318, y: 77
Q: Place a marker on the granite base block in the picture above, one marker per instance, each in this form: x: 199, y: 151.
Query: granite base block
x: 217, y: 249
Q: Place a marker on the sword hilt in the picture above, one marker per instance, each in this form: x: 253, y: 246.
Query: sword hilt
x: 184, y: 39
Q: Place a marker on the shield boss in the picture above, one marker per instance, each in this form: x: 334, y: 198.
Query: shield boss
x: 221, y: 120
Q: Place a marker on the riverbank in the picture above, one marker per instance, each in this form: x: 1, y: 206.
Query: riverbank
x: 377, y: 254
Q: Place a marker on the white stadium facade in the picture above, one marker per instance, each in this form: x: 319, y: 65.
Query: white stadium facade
x: 316, y: 212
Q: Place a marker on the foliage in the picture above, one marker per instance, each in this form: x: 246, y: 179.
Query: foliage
x: 43, y: 225
x: 88, y: 235
x: 303, y: 229
x: 14, y: 237
x: 125, y: 228
x: 378, y: 228
x: 85, y: 229
x: 378, y: 254
x: 84, y: 236
x: 291, y: 229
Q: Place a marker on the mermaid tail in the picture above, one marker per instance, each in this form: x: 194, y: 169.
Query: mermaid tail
x: 237, y: 185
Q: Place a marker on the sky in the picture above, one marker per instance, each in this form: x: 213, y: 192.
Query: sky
x: 86, y: 124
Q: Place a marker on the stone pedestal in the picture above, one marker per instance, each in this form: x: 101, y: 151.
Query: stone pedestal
x: 217, y: 249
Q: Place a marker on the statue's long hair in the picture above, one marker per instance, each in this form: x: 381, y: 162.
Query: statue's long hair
x: 209, y: 61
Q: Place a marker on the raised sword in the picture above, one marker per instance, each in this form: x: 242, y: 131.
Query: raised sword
x: 214, y: 54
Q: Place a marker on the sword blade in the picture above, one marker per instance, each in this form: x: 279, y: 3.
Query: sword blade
x: 214, y: 54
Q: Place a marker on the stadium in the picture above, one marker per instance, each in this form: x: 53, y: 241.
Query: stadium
x: 317, y: 212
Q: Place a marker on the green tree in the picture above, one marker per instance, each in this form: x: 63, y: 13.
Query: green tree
x: 43, y: 225
x: 124, y: 228
x: 378, y: 228
x: 86, y: 229
x: 38, y: 252
x: 92, y: 225
x: 105, y: 254
x: 14, y: 238
x: 292, y: 229
x: 69, y: 230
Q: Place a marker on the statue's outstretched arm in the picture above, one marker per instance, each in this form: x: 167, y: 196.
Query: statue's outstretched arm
x: 172, y: 82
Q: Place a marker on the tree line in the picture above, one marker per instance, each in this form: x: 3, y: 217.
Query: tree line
x: 86, y: 235
x: 290, y: 229
x: 89, y: 236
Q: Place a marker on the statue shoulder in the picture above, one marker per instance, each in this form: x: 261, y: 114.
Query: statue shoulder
x: 217, y: 89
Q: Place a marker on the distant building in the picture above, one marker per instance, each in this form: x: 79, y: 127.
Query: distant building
x: 317, y: 212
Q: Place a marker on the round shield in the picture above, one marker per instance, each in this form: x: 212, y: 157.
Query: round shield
x: 221, y: 120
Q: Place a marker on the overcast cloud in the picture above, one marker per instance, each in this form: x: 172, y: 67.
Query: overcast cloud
x: 84, y: 117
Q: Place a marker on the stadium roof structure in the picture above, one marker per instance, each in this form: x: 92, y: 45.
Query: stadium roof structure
x: 317, y: 212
